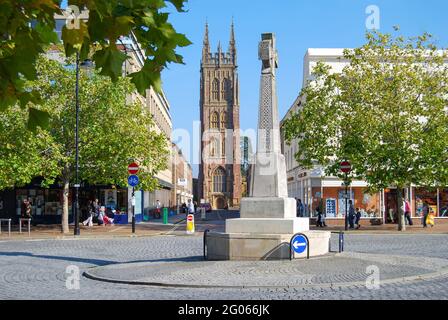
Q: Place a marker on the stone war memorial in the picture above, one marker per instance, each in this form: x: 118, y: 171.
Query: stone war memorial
x: 267, y: 217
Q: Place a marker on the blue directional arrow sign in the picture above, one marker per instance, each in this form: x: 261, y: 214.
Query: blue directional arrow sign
x: 133, y: 180
x: 299, y: 244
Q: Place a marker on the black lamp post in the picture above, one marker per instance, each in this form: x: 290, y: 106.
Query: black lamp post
x: 85, y: 65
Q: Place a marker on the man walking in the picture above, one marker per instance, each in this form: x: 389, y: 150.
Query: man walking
x: 299, y: 208
x: 351, y: 215
x: 190, y: 207
x: 425, y: 213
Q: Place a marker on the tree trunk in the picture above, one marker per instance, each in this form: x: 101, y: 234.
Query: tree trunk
x: 65, y: 192
x: 401, y: 221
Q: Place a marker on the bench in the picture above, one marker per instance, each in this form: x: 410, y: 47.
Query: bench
x: 9, y: 225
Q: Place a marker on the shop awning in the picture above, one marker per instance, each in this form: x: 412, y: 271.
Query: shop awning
x: 165, y: 184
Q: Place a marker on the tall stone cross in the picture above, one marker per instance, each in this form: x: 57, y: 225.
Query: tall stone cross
x: 269, y: 171
x: 268, y: 122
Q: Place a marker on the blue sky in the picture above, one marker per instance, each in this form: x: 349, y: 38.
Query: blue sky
x: 298, y: 25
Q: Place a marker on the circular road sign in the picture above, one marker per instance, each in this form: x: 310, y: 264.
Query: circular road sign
x: 133, y: 168
x: 299, y: 244
x: 346, y: 167
x: 190, y: 217
x: 133, y: 180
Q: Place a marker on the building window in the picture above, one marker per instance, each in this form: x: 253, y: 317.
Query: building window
x: 224, y: 120
x: 226, y: 90
x: 223, y: 146
x: 219, y: 180
x: 213, y: 147
x: 214, y: 121
x: 215, y: 89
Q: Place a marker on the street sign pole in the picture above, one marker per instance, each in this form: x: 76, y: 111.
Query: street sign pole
x: 133, y: 168
x: 346, y: 202
x: 133, y: 209
x: 346, y: 167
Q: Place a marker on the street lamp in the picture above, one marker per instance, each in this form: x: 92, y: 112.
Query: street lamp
x: 84, y: 65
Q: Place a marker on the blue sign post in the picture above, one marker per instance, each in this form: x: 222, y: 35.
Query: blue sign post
x: 133, y: 180
x: 298, y: 244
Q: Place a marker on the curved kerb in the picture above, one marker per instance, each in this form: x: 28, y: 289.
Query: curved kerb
x: 429, y: 276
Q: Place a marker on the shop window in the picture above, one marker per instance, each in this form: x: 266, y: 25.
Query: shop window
x: 423, y: 195
x: 443, y: 196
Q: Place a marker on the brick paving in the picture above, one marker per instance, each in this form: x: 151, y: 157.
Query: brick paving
x: 36, y: 269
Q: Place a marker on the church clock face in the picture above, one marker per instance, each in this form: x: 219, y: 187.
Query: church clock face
x: 219, y: 171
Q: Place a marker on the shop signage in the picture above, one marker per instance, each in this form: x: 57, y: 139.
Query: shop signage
x: 182, y: 182
x: 133, y: 168
x: 299, y: 244
x: 346, y: 167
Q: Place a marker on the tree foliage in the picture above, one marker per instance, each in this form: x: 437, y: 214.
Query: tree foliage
x: 28, y: 27
x: 112, y: 132
x: 386, y: 113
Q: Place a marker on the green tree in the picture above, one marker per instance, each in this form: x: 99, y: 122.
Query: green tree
x: 111, y: 132
x: 386, y: 113
x: 24, y: 154
x: 27, y: 28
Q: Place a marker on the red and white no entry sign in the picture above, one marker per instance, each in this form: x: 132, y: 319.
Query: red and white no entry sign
x: 190, y: 217
x: 346, y: 167
x: 133, y: 168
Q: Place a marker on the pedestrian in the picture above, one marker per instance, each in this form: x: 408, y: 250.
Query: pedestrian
x: 407, y: 211
x: 425, y: 213
x: 299, y: 209
x: 91, y: 213
x: 318, y: 217
x: 27, y: 209
x: 105, y: 220
x: 190, y: 207
x: 351, y: 215
x: 157, y: 211
x: 358, y: 218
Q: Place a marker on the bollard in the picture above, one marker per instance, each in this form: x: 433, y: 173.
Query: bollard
x: 165, y: 215
x: 203, y: 216
x: 190, y: 224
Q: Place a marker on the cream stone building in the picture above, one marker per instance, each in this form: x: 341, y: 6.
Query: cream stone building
x: 312, y: 186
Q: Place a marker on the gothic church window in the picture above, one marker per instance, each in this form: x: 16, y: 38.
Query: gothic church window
x: 223, y: 120
x: 219, y: 180
x: 226, y: 90
x: 215, y: 89
x: 213, y: 147
x: 214, y: 121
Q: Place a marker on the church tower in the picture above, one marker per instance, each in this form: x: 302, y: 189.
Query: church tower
x: 220, y: 168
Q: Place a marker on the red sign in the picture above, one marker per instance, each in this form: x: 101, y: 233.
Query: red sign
x: 133, y: 168
x: 190, y: 217
x: 346, y: 167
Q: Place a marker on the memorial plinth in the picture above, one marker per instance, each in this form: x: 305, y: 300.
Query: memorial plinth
x: 268, y: 217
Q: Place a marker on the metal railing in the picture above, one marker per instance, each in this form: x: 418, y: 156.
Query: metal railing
x: 29, y: 225
x: 205, y: 242
x: 291, y: 246
x: 9, y: 225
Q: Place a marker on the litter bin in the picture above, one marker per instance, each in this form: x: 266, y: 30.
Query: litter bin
x: 165, y: 215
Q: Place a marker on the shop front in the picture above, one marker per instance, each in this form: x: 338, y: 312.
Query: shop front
x: 330, y: 194
x: 47, y: 203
